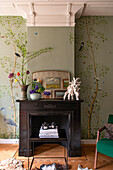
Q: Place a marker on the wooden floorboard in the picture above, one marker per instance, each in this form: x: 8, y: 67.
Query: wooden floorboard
x: 86, y: 160
x: 7, y: 151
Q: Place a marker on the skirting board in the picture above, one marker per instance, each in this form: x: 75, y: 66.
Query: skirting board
x: 88, y: 141
x: 13, y: 141
x: 9, y: 141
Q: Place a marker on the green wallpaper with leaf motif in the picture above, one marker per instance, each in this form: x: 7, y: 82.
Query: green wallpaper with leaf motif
x: 94, y: 65
x: 12, y: 31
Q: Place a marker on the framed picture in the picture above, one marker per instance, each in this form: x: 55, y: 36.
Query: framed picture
x: 59, y: 93
x: 65, y: 83
x: 52, y: 83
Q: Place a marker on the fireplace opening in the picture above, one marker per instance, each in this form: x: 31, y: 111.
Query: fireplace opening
x: 61, y: 121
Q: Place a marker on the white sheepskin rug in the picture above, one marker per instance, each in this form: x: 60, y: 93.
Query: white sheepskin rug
x: 80, y: 168
x: 48, y: 167
x: 11, y: 164
x: 52, y: 166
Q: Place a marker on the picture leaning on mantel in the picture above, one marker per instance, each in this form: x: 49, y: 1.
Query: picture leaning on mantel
x: 59, y: 93
x: 53, y: 80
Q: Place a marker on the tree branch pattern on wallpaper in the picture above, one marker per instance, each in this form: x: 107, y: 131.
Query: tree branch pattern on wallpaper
x: 14, y: 36
x: 93, y: 71
x: 9, y: 39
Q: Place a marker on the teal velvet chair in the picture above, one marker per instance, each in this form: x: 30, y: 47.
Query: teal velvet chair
x: 105, y: 145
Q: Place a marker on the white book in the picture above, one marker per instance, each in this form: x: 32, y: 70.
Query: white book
x: 48, y: 136
x: 48, y: 133
x: 49, y: 130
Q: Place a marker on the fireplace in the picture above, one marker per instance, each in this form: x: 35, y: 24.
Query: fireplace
x: 66, y: 115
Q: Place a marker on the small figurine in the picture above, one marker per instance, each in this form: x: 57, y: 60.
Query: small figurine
x: 53, y: 125
x: 73, y: 89
x: 45, y: 126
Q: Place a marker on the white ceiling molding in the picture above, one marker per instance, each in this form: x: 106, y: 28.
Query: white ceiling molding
x: 80, y: 12
x: 11, y: 9
x: 33, y: 13
x: 50, y: 14
x: 55, y: 12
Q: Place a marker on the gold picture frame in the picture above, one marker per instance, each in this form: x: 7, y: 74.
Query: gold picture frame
x: 65, y: 83
x: 53, y: 83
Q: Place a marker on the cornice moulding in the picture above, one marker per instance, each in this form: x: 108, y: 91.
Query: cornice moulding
x: 55, y: 12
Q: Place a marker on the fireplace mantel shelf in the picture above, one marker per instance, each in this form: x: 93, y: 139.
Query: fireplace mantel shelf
x: 50, y: 99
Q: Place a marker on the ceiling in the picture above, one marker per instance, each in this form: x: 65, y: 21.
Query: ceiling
x: 55, y: 12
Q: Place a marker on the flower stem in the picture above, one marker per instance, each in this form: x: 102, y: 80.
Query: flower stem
x: 12, y: 98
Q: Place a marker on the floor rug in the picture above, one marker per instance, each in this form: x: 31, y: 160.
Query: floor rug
x: 80, y: 168
x: 11, y: 164
x: 53, y: 166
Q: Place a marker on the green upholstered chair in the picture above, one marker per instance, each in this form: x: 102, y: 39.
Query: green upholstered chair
x: 105, y: 145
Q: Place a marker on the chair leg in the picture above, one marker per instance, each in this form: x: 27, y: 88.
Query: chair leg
x: 96, y: 157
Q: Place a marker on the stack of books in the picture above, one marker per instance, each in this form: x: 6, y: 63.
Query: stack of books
x: 49, y: 133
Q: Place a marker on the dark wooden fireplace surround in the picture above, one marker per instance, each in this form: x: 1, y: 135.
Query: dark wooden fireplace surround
x: 65, y: 113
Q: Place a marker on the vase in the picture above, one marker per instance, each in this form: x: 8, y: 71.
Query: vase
x: 24, y: 92
x: 35, y: 96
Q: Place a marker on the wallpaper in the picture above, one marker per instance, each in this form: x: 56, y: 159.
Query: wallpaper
x: 62, y: 42
x: 24, y: 50
x: 94, y: 66
x: 85, y: 50
x: 12, y: 38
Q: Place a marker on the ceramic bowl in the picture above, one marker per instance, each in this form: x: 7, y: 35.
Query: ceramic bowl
x: 35, y: 96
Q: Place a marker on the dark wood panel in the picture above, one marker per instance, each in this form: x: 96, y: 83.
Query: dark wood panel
x: 49, y: 104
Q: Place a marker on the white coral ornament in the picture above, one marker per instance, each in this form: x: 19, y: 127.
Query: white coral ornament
x: 73, y: 89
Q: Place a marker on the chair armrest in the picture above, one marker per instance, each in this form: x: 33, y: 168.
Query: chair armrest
x: 98, y: 133
x: 100, y: 130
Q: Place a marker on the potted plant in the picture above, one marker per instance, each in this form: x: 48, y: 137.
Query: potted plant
x: 37, y: 89
x: 22, y: 81
x: 25, y: 57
